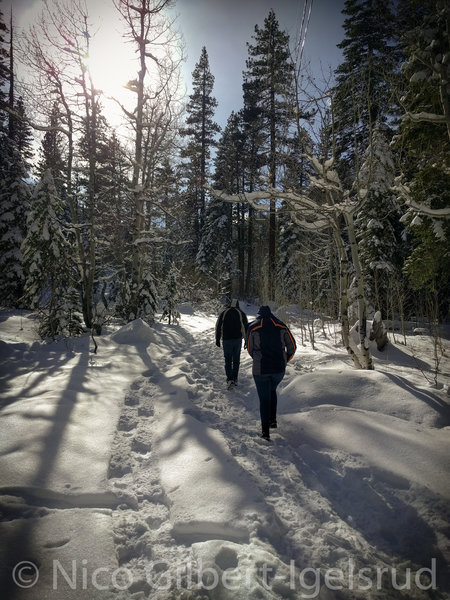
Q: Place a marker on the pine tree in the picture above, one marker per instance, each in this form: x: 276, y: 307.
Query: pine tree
x: 428, y: 265
x: 215, y: 256
x: 113, y: 208
x: 51, y: 153
x: 290, y: 272
x: 200, y: 132
x: 268, y: 81
x: 253, y: 160
x: 423, y: 142
x: 377, y: 221
x: 171, y: 296
x: 427, y: 48
x: 362, y: 95
x: 219, y: 244
x: 4, y: 77
x: 14, y: 190
x: 47, y: 264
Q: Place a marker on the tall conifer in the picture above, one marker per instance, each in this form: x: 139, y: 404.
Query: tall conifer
x: 15, y: 146
x: 362, y: 95
x: 268, y: 81
x: 200, y: 131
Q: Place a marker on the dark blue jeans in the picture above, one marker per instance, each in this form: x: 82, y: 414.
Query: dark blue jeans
x: 266, y: 386
x: 232, y: 354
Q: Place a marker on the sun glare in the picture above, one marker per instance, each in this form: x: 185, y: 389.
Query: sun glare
x: 111, y: 61
x: 111, y: 67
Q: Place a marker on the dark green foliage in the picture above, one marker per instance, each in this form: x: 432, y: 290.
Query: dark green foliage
x: 171, y: 296
x: 217, y: 247
x: 51, y: 153
x: 200, y: 132
x: 15, y: 153
x: 268, y: 91
x: 423, y: 144
x: 428, y: 266
x: 268, y: 100
x: 377, y: 221
x: 363, y: 91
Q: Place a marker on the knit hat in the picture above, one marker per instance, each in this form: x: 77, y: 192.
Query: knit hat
x: 264, y: 311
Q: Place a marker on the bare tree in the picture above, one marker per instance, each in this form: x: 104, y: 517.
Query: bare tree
x: 56, y: 50
x: 159, y: 53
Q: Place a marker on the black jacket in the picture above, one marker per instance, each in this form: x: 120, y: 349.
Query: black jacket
x: 232, y: 323
x: 270, y: 343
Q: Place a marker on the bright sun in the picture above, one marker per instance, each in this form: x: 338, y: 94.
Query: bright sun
x: 111, y: 69
x: 112, y: 64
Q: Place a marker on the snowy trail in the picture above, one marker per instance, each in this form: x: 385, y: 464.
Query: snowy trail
x: 227, y: 417
x: 311, y: 517
x: 173, y: 495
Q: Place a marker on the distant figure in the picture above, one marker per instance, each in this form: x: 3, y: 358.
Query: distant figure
x: 231, y: 328
x: 271, y: 346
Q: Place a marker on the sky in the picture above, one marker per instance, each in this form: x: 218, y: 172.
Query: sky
x: 224, y: 28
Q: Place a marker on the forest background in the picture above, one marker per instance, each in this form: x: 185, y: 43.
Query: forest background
x: 332, y: 194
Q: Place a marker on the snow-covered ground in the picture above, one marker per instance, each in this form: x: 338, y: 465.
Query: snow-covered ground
x: 134, y: 473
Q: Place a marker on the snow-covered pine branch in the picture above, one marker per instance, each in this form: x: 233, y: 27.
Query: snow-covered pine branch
x: 298, y: 202
x: 404, y: 195
x: 424, y: 117
x: 438, y: 213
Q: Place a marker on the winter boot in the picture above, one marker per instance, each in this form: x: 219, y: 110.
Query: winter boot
x: 265, y: 433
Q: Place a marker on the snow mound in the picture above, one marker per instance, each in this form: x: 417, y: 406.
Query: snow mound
x: 372, y: 391
x: 185, y: 309
x: 136, y: 332
x: 381, y: 418
x: 398, y: 451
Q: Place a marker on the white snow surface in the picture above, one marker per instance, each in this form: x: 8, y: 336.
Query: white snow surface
x: 133, y: 473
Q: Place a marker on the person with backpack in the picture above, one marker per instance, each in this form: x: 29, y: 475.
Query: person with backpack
x: 271, y: 346
x: 231, y: 328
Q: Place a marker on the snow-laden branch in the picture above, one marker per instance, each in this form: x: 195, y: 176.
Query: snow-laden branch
x: 298, y: 202
x: 316, y: 225
x: 404, y: 194
x: 442, y: 213
x: 34, y: 125
x: 158, y: 239
x: 424, y: 117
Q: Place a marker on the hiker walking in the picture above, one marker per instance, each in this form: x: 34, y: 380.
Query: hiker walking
x: 271, y: 346
x: 231, y: 328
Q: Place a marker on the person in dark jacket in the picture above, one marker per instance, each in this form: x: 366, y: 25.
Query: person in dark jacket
x: 231, y: 328
x: 271, y: 346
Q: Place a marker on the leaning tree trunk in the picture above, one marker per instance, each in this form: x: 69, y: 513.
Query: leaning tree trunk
x: 366, y: 358
x: 343, y: 299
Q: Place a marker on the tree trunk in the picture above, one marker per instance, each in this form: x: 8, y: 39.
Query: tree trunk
x: 343, y: 299
x: 136, y: 268
x: 272, y: 213
x: 366, y: 359
x: 248, y: 279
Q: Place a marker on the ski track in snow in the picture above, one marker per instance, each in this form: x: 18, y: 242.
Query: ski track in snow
x: 311, y: 493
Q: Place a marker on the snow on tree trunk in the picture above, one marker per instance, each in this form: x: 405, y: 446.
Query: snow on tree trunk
x: 314, y: 216
x: 366, y: 359
x: 378, y: 332
x: 343, y: 300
